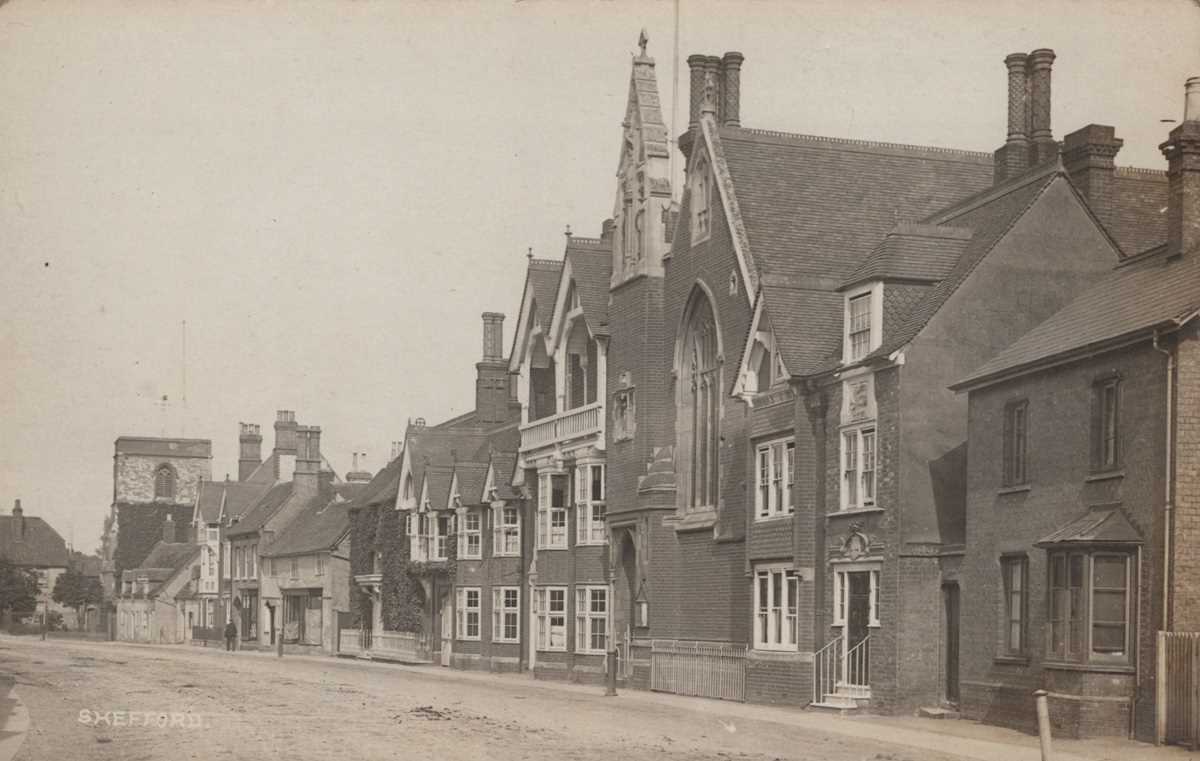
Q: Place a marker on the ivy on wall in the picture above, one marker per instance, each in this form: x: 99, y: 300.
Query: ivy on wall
x: 140, y: 527
x: 402, y: 595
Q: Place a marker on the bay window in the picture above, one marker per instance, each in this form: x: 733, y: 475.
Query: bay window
x: 1089, y: 606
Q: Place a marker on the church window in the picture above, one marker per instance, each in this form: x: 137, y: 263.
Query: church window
x: 164, y: 482
x: 698, y: 405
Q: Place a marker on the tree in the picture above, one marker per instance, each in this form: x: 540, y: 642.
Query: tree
x: 77, y: 591
x: 18, y: 588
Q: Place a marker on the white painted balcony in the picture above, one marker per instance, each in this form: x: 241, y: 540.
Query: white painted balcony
x: 579, y: 423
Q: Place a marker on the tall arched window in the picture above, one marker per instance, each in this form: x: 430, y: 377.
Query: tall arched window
x: 698, y: 404
x: 164, y: 482
x: 700, y: 182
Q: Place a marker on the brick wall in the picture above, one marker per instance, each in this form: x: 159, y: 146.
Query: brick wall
x: 1062, y: 487
x: 1186, y: 571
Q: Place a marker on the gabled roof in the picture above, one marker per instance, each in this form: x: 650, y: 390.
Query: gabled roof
x: 437, y: 486
x: 1099, y: 525
x: 537, y: 304
x: 39, y: 544
x: 815, y: 207
x: 381, y: 489
x: 912, y: 252
x: 1144, y: 293
x: 226, y: 498
x: 989, y: 216
x: 469, y: 478
x: 256, y: 516
x: 172, y: 555
x: 320, y: 526
x: 500, y: 475
x: 588, y: 268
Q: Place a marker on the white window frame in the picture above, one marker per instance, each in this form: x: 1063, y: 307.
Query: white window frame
x: 468, y: 614
x: 841, y: 588
x: 552, y: 533
x: 586, y: 598
x: 855, y: 456
x: 776, y: 622
x: 468, y: 534
x: 502, y: 612
x: 545, y: 614
x: 506, y: 536
x: 320, y: 565
x: 873, y: 295
x: 775, y: 461
x: 590, y: 526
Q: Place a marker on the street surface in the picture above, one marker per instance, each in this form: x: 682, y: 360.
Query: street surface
x: 92, y: 700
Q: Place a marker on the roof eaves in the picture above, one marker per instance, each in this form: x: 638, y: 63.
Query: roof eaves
x: 733, y: 213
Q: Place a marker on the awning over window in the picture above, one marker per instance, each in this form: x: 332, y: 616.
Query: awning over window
x: 1099, y: 525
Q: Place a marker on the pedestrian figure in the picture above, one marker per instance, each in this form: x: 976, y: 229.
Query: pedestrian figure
x: 230, y: 635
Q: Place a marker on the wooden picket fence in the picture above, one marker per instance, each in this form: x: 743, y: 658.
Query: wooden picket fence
x: 1177, y: 704
x: 701, y: 669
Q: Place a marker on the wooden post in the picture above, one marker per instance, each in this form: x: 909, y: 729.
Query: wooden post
x: 1043, y: 715
x: 610, y: 686
x: 1160, y: 689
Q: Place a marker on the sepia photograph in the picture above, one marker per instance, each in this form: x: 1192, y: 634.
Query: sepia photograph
x: 523, y: 380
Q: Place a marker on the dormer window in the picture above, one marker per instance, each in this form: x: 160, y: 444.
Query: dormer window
x: 701, y: 199
x: 862, y: 319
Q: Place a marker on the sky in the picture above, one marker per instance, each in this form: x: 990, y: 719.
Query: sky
x: 329, y: 194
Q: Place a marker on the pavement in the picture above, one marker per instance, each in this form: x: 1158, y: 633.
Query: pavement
x: 657, y: 725
x: 14, y: 719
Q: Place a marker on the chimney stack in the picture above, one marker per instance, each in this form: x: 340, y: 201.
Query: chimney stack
x: 491, y: 373
x: 250, y: 449
x: 168, y: 534
x: 397, y: 450
x: 285, y: 432
x: 1182, y: 150
x: 1030, y: 141
x: 731, y: 84
x: 19, y: 520
x: 308, y: 459
x: 356, y: 476
x: 1088, y: 155
x: 1044, y: 147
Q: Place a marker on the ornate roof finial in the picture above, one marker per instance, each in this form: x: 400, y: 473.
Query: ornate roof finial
x: 529, y: 254
x: 642, y: 41
x: 568, y: 232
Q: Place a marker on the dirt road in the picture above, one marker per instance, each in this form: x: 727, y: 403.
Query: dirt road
x: 114, y: 701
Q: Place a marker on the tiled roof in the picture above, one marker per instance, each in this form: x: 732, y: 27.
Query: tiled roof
x: 265, y: 472
x: 503, y: 465
x: 591, y: 269
x: 171, y: 555
x: 807, y: 324
x: 153, y: 446
x: 437, y: 484
x: 320, y: 525
x: 471, y: 476
x: 235, y: 496
x: 1143, y: 293
x: 39, y: 546
x: 989, y: 215
x: 1139, y: 220
x: 261, y: 510
x: 913, y: 252
x: 815, y: 207
x: 543, y: 277
x: 1098, y: 525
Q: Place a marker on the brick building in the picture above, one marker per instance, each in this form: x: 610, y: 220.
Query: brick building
x: 1082, y: 483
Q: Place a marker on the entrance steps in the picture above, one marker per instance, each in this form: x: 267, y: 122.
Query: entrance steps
x: 840, y: 703
x: 938, y: 712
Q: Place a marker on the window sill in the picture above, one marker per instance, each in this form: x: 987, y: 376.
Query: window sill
x: 506, y: 554
x: 1107, y: 475
x: 855, y: 511
x: 1100, y: 668
x: 772, y: 518
x: 1011, y: 660
x: 469, y: 557
x: 541, y: 549
x: 771, y: 654
x: 1018, y: 489
x: 591, y: 544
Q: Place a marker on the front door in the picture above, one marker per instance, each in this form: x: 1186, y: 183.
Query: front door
x: 950, y: 602
x: 856, y: 669
x: 447, y: 627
